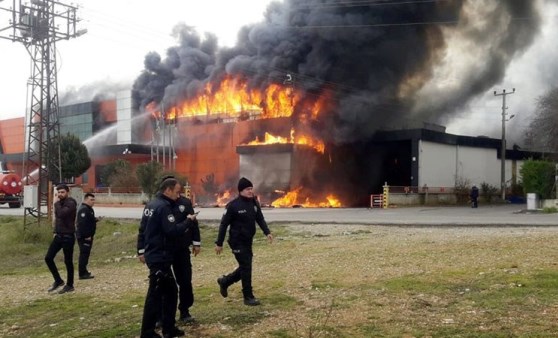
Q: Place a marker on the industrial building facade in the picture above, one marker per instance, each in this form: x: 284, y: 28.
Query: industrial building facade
x: 214, y: 151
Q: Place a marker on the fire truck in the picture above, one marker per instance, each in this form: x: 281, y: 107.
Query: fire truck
x: 10, y: 189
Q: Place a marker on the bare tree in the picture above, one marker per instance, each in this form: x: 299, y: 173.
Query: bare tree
x: 542, y: 134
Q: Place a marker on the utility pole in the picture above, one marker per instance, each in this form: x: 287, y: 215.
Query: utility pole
x: 38, y: 25
x: 503, y: 150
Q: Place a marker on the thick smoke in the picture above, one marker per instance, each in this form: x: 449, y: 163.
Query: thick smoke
x: 385, y: 64
x: 95, y: 91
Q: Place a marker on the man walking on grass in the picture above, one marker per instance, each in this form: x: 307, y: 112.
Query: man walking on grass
x: 241, y: 214
x: 63, y: 239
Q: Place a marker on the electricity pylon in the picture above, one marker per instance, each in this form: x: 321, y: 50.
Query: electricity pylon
x: 38, y: 25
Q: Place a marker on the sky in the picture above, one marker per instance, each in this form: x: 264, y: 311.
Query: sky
x: 532, y: 74
x: 121, y: 33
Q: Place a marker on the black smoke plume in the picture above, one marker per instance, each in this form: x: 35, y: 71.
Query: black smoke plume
x: 375, y: 57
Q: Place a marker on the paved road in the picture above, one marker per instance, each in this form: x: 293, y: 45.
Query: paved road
x: 497, y: 215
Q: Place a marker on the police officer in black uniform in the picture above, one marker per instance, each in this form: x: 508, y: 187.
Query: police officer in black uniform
x: 181, y: 263
x: 241, y: 214
x: 155, y: 248
x: 86, y: 226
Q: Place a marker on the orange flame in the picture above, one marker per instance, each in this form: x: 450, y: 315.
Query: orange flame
x: 294, y: 198
x: 223, y: 198
x: 306, y: 140
x: 234, y: 98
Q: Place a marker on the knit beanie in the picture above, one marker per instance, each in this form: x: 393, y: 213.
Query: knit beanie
x: 244, y: 183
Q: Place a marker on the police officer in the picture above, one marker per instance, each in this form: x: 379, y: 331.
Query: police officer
x: 155, y: 249
x: 86, y: 226
x: 241, y: 214
x: 63, y: 239
x: 181, y: 263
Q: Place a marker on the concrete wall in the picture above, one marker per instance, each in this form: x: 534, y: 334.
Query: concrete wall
x: 550, y: 203
x: 267, y: 170
x: 421, y: 199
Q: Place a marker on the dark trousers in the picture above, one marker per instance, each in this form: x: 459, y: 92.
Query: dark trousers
x: 66, y: 243
x: 182, y: 267
x: 474, y: 202
x: 244, y: 271
x: 85, y: 246
x: 160, y: 300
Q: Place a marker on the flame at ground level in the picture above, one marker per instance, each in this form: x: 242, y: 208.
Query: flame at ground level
x: 295, y: 198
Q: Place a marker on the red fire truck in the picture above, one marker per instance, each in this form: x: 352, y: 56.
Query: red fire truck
x: 10, y: 189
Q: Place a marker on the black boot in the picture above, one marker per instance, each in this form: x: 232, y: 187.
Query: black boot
x: 251, y: 301
x: 222, y: 281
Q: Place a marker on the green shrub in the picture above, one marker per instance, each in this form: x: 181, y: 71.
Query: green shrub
x: 488, y: 191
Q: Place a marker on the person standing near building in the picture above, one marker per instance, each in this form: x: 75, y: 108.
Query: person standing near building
x: 63, y: 239
x: 474, y: 196
x: 241, y: 214
x: 155, y: 248
x: 86, y: 225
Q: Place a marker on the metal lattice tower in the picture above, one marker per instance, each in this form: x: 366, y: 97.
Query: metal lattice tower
x: 39, y: 25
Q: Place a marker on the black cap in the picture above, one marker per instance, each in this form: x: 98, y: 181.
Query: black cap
x: 244, y: 183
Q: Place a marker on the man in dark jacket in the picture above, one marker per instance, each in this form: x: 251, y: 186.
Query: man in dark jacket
x: 474, y: 196
x: 64, y: 239
x: 86, y: 225
x: 157, y: 238
x: 241, y: 214
x: 182, y: 263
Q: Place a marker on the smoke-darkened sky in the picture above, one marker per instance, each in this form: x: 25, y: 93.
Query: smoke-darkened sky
x: 389, y: 63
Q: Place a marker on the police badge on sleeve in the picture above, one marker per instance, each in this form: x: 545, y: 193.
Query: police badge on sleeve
x: 170, y: 218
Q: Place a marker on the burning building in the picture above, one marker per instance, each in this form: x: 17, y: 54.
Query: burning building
x: 302, y: 103
x: 330, y: 72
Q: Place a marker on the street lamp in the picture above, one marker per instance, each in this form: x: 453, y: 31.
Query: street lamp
x: 503, y: 150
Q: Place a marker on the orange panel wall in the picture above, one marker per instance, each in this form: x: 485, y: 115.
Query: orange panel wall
x: 12, y: 135
x: 107, y: 109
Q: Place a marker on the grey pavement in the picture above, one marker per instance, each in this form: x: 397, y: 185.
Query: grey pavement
x: 493, y: 215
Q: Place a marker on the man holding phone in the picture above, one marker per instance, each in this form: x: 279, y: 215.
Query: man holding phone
x: 182, y: 264
x: 182, y: 210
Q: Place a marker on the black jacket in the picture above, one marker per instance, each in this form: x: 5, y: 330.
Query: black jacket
x: 65, y: 216
x: 241, y: 214
x: 181, y: 210
x: 474, y: 193
x: 158, y: 228
x: 86, y: 223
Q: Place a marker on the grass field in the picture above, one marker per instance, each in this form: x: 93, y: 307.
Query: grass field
x: 322, y: 280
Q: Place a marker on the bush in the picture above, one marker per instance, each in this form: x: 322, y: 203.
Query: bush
x: 538, y: 177
x: 488, y: 191
x: 462, y: 189
x: 551, y: 210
